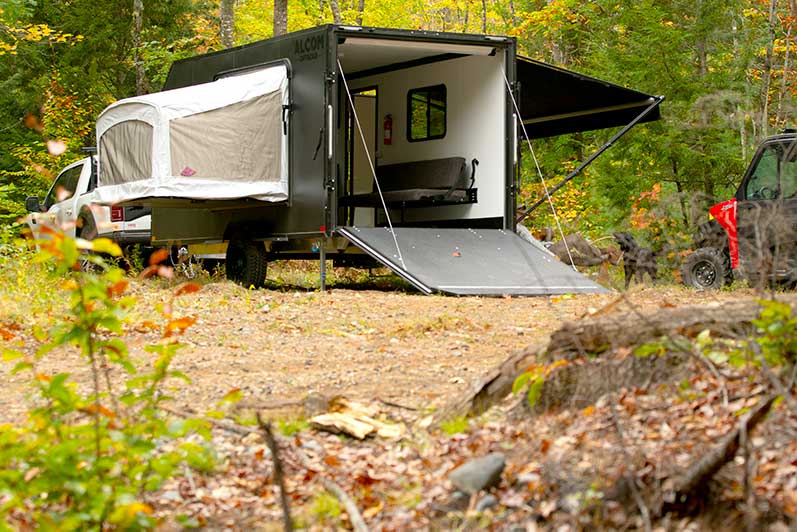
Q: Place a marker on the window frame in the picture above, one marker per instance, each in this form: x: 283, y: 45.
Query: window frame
x: 428, y: 89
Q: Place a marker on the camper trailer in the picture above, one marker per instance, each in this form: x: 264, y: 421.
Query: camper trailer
x: 359, y: 145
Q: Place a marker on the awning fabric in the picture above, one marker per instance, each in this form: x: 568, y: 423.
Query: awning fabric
x: 554, y: 101
x: 220, y: 140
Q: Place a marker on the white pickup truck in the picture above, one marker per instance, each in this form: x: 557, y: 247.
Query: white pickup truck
x: 69, y: 206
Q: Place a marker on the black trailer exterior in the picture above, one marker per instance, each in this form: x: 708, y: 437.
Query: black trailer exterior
x: 333, y: 69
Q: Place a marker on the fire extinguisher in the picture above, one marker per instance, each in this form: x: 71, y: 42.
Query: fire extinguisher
x: 388, y: 135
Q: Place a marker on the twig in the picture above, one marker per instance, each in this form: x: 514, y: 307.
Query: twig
x: 243, y: 431
x: 356, y: 519
x: 774, y: 380
x: 630, y: 477
x: 279, y: 478
x: 396, y: 405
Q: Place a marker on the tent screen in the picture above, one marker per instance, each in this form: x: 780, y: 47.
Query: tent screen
x: 239, y: 142
x: 126, y: 153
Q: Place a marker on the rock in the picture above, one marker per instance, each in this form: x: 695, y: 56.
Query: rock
x: 459, y: 502
x: 486, y: 502
x: 524, y: 479
x: 311, y: 445
x: 478, y: 474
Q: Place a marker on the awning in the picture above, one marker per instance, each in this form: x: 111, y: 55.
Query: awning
x: 554, y: 101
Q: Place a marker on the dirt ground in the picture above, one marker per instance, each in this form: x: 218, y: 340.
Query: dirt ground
x: 365, y: 344
x: 410, y: 354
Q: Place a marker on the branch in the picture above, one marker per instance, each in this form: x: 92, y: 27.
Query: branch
x: 279, y: 478
x: 355, y: 517
x: 689, y: 484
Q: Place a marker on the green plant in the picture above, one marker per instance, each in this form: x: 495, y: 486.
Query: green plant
x: 453, y: 426
x: 86, y: 459
x: 289, y: 427
x: 326, y: 506
x: 534, y: 377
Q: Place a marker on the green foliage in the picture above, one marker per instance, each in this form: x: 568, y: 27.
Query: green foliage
x: 326, y: 507
x: 289, y: 427
x: 86, y: 458
x: 533, y: 379
x: 457, y: 425
x: 773, y: 343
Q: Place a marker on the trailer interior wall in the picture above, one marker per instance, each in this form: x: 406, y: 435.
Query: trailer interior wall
x: 475, y: 126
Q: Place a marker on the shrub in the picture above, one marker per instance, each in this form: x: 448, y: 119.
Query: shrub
x: 86, y: 459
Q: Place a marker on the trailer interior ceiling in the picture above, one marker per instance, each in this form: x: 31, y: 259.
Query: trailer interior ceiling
x: 358, y: 55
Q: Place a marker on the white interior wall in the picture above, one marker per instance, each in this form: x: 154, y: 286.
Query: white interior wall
x: 475, y: 126
x: 363, y: 179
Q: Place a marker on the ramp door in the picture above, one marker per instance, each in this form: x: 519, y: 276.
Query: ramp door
x: 489, y: 262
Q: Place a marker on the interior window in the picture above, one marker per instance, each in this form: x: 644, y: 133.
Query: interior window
x: 426, y: 113
x: 64, y: 186
x: 763, y: 184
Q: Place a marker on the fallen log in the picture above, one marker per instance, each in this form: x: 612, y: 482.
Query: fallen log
x: 680, y: 493
x: 593, y: 336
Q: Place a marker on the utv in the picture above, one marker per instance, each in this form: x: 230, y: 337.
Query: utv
x: 752, y: 236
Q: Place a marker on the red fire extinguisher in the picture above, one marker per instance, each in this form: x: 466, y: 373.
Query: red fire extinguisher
x: 388, y: 135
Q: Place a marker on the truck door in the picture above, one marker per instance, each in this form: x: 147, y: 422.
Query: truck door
x: 60, y: 202
x: 767, y: 211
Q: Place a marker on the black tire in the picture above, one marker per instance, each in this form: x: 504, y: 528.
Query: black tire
x: 246, y: 263
x: 707, y: 269
x: 86, y: 226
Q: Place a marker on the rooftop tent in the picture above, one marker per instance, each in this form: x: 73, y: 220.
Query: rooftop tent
x: 555, y: 101
x: 219, y: 140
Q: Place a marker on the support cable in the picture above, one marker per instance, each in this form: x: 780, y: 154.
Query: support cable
x: 539, y: 173
x: 370, y: 164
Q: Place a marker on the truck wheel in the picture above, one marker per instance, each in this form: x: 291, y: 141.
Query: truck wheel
x: 707, y: 269
x: 246, y: 263
x: 86, y: 226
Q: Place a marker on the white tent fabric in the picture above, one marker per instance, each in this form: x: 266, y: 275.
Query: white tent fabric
x: 220, y: 140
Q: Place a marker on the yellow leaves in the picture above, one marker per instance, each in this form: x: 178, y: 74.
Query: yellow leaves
x: 33, y: 33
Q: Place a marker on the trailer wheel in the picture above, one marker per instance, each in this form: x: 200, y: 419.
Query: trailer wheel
x: 246, y: 263
x: 707, y: 269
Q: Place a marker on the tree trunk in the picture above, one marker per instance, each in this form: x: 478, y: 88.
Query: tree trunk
x: 484, y: 16
x: 227, y: 23
x: 333, y: 4
x: 767, y: 74
x: 784, y: 84
x: 360, y: 10
x: 138, y: 62
x: 280, y: 17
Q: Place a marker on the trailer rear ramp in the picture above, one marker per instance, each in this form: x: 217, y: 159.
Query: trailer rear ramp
x: 485, y: 262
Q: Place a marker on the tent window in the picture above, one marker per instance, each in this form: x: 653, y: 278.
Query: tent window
x: 426, y: 113
x: 239, y: 142
x: 126, y: 153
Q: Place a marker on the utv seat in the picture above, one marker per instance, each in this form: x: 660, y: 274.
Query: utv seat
x: 444, y: 181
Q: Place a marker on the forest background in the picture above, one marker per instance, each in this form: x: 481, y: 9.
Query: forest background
x: 726, y: 68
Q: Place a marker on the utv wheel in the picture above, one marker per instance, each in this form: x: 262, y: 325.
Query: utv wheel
x: 707, y: 269
x: 246, y: 263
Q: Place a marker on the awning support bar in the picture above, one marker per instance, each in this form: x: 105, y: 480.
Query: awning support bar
x: 656, y: 102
